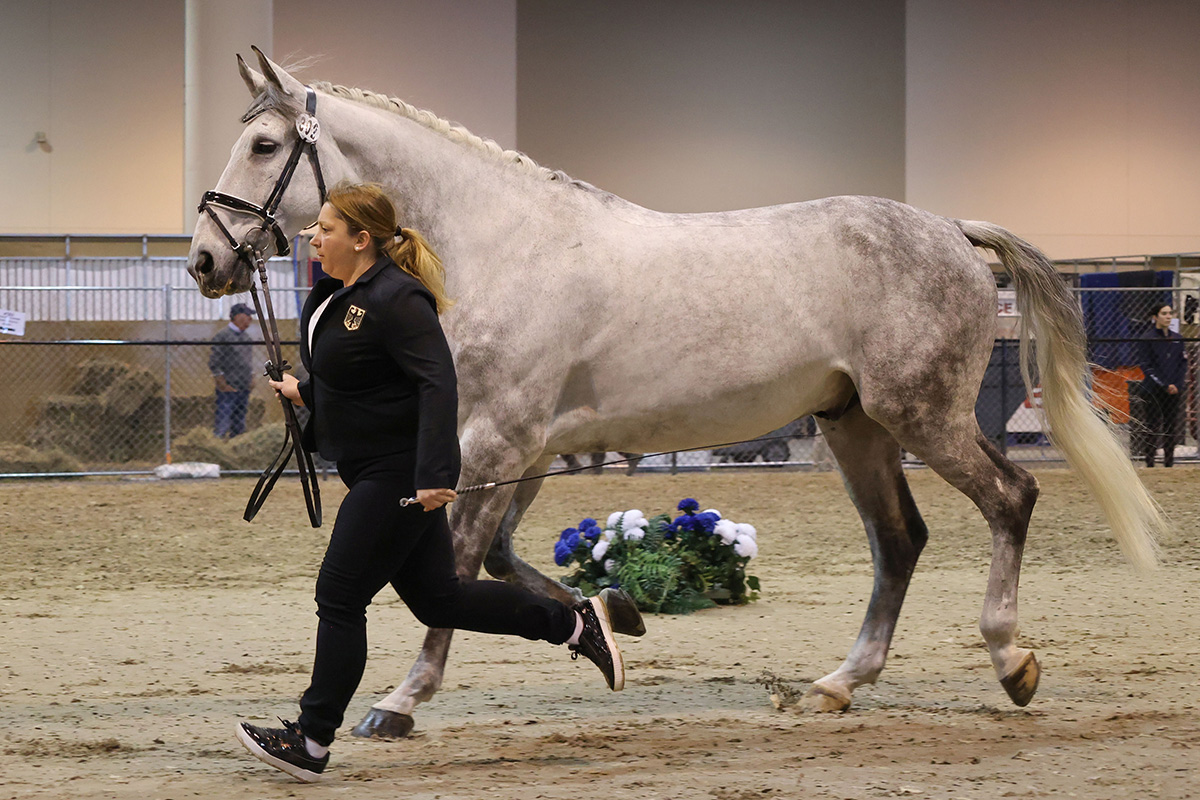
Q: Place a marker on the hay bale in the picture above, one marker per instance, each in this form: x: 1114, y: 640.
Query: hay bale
x: 196, y: 411
x: 257, y: 448
x: 199, y: 444
x: 18, y: 458
x: 252, y: 451
x: 78, y: 425
x: 97, y: 374
x: 126, y: 394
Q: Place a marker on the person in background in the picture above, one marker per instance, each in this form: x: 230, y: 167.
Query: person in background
x: 1164, y: 364
x: 230, y: 365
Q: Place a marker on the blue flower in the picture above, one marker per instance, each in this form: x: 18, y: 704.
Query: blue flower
x: 572, y: 539
x: 706, y: 521
x: 592, y: 533
x: 562, y: 553
x: 689, y: 505
x: 684, y: 522
x: 566, y: 534
x: 588, y: 522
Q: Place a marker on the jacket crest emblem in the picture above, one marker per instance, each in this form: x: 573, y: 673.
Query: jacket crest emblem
x: 354, y: 318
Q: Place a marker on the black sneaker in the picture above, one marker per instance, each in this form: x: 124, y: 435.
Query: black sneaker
x: 597, y: 644
x: 282, y: 748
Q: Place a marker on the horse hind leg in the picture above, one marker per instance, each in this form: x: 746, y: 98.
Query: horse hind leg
x: 869, y: 458
x: 503, y: 562
x: 1005, y: 494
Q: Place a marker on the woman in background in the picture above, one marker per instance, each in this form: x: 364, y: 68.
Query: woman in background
x: 1164, y: 364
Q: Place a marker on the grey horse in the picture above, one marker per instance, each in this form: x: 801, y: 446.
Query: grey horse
x: 578, y: 329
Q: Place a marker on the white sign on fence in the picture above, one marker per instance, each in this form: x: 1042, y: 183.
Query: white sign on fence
x: 12, y: 322
x: 1006, y: 303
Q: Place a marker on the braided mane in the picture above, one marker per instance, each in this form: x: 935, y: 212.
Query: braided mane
x: 451, y: 130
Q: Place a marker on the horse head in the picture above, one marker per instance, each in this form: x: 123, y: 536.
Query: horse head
x: 244, y: 218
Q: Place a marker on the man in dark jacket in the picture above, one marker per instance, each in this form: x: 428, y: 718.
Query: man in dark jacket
x: 1164, y: 364
x: 230, y: 365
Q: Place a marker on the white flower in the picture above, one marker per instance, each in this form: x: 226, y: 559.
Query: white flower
x: 633, y: 519
x: 635, y: 533
x: 599, y: 549
x: 748, y: 531
x: 745, y: 547
x: 610, y: 565
x: 727, y: 530
x: 613, y: 519
x: 712, y: 511
x: 609, y: 535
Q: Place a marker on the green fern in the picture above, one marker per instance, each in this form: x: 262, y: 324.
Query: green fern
x: 649, y: 576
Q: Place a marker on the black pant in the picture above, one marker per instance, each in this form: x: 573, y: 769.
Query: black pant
x: 375, y: 542
x: 1162, y: 422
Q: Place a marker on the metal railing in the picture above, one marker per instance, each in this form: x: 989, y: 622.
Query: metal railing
x: 115, y: 379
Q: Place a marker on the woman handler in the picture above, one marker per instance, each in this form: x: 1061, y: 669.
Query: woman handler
x: 384, y: 404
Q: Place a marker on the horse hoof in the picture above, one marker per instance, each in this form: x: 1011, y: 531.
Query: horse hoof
x: 820, y: 700
x: 382, y: 724
x: 623, y: 612
x: 1022, y: 682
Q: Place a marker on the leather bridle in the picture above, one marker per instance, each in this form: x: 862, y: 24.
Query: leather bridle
x: 308, y: 130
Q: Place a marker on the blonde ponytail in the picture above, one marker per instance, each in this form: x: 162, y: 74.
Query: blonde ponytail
x: 366, y: 207
x: 413, y: 254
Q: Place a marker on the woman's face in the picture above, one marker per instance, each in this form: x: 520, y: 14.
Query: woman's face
x: 1163, y: 318
x: 337, y: 249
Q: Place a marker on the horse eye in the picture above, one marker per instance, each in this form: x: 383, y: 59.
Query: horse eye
x: 264, y: 147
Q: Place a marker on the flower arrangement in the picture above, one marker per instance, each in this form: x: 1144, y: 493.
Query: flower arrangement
x: 672, y: 566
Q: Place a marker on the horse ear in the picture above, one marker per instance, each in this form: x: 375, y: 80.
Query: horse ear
x: 254, y: 81
x: 278, y: 77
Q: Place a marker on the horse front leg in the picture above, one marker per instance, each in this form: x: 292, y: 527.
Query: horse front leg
x: 474, y: 519
x: 392, y: 717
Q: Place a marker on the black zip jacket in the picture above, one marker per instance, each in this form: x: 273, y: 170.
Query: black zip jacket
x: 381, y: 378
x: 1163, y: 360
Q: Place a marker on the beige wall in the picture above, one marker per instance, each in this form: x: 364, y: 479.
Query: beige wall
x: 104, y: 81
x: 457, y: 58
x: 1073, y: 122
x: 713, y: 105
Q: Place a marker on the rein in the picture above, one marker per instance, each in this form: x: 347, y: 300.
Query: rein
x: 479, y: 487
x: 308, y: 131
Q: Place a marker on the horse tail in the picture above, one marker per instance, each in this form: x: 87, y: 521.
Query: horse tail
x: 1077, y: 427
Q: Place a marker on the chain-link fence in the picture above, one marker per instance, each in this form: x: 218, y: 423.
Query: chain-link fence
x: 118, y: 379
x: 115, y: 378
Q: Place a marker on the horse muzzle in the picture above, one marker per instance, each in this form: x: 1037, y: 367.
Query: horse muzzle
x: 213, y: 279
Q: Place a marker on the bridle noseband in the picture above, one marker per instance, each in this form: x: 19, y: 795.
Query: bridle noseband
x: 308, y: 130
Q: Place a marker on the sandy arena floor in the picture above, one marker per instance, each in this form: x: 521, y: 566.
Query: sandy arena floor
x: 141, y: 620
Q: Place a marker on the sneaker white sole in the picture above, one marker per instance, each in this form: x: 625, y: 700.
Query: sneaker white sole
x: 299, y: 773
x: 606, y: 627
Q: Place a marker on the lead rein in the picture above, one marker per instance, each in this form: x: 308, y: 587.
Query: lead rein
x: 408, y: 501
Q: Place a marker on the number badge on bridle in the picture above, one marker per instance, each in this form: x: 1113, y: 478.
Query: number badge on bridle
x: 308, y: 128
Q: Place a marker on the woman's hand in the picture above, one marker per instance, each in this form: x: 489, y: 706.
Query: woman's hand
x: 435, y: 498
x: 1172, y: 389
x: 289, y: 387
